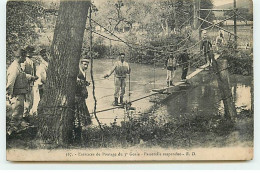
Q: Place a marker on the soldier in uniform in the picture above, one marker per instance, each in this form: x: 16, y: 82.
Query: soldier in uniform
x: 41, y: 71
x: 29, y: 68
x: 16, y: 89
x: 184, y: 61
x: 82, y: 117
x: 121, y: 69
x: 219, y: 40
x: 206, y: 47
x: 170, y: 64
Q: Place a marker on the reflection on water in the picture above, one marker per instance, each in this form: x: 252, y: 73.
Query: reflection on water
x: 205, y: 98
x: 203, y: 95
x: 242, y: 96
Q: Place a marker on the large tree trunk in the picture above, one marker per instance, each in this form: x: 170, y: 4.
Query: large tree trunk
x: 56, y: 109
x: 221, y: 69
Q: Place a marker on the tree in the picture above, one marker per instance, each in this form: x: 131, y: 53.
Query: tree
x: 207, y: 15
x: 244, y: 14
x: 56, y: 109
x: 22, y: 20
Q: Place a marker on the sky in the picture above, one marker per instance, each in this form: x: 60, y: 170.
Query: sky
x: 222, y: 2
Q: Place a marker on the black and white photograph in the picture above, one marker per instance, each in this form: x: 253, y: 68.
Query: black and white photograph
x: 129, y: 80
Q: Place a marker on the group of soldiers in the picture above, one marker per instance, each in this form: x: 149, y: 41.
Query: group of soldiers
x: 183, y: 58
x: 24, y: 81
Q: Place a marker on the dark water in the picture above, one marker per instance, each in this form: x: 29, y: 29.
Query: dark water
x: 204, y: 96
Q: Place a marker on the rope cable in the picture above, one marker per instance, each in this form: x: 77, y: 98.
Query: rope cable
x: 91, y: 70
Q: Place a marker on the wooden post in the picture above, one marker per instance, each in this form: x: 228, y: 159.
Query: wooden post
x: 221, y: 69
x: 195, y: 14
x: 235, y: 22
x: 199, y: 20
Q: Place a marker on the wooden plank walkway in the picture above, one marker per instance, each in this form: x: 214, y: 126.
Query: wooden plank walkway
x: 177, y: 85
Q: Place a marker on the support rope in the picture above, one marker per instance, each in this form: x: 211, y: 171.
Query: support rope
x: 91, y: 70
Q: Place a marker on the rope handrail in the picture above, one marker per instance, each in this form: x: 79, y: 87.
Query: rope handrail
x: 91, y: 70
x: 164, y: 52
x: 128, y: 44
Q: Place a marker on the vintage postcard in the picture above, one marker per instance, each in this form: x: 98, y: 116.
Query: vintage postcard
x: 129, y: 80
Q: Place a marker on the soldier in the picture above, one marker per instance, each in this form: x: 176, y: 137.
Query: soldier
x: 184, y: 61
x: 121, y: 69
x: 39, y: 83
x: 219, y: 40
x: 29, y: 68
x: 206, y: 47
x: 42, y: 70
x: 16, y: 89
x: 82, y: 117
x: 170, y: 64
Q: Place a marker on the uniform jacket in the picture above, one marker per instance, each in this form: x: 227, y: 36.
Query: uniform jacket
x: 171, y: 62
x: 120, y: 69
x: 219, y: 40
x: 17, y: 79
x: 81, y: 86
x: 41, y: 72
x: 184, y: 59
x: 206, y: 46
x: 28, y: 67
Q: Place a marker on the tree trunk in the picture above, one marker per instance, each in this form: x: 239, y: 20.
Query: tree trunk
x: 56, y: 109
x: 221, y: 70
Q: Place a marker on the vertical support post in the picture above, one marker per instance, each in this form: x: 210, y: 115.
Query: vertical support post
x: 221, y: 69
x: 195, y: 14
x: 199, y: 20
x: 235, y: 22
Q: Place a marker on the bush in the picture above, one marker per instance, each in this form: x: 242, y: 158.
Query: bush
x: 239, y: 61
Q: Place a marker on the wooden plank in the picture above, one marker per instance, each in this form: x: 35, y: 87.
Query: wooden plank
x: 178, y: 84
x: 200, y: 69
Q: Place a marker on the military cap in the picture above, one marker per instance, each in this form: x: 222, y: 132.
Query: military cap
x: 84, y: 60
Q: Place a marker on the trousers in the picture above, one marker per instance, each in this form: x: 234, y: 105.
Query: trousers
x: 17, y: 105
x: 207, y: 57
x: 170, y: 75
x: 29, y: 98
x: 36, y: 99
x: 184, y: 71
x: 120, y: 84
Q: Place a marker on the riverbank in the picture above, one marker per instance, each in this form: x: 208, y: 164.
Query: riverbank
x: 190, y: 118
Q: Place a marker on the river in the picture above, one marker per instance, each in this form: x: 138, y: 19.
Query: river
x: 203, y: 95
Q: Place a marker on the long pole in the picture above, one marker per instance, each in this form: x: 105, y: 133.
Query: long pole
x: 235, y: 22
x: 91, y: 68
x: 214, y: 25
x: 129, y: 89
x: 199, y: 20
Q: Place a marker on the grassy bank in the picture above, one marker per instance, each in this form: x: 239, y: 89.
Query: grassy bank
x: 184, y: 131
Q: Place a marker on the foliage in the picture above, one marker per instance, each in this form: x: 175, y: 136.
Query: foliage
x: 182, y: 131
x: 240, y: 62
x: 244, y: 14
x: 22, y: 23
x: 206, y: 4
x: 150, y: 129
x: 148, y: 15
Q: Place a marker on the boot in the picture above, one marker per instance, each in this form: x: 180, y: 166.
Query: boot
x: 168, y: 83
x: 121, y: 100
x: 116, y: 101
x: 171, y: 84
